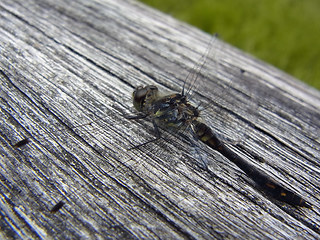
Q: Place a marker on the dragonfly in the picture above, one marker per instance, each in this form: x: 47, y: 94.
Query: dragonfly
x: 175, y: 111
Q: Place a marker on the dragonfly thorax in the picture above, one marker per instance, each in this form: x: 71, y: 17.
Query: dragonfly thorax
x: 172, y: 110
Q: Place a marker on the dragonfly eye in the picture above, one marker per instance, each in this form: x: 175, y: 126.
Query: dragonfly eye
x: 143, y: 94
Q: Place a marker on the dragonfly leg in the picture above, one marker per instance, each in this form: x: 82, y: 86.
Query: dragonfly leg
x: 135, y: 117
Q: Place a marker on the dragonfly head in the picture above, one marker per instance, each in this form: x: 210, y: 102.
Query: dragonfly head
x: 144, y: 95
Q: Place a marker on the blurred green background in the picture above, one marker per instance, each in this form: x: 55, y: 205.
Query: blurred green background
x: 284, y: 33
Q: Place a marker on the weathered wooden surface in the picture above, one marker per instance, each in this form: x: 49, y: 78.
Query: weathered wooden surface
x: 66, y: 63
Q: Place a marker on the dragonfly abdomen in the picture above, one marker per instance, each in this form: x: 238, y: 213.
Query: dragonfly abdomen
x: 205, y: 134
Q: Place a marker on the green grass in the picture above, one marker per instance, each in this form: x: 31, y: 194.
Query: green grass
x: 285, y: 33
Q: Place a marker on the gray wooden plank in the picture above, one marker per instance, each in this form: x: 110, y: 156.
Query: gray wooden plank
x: 68, y: 64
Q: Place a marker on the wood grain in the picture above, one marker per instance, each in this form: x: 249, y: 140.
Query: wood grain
x: 68, y: 69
